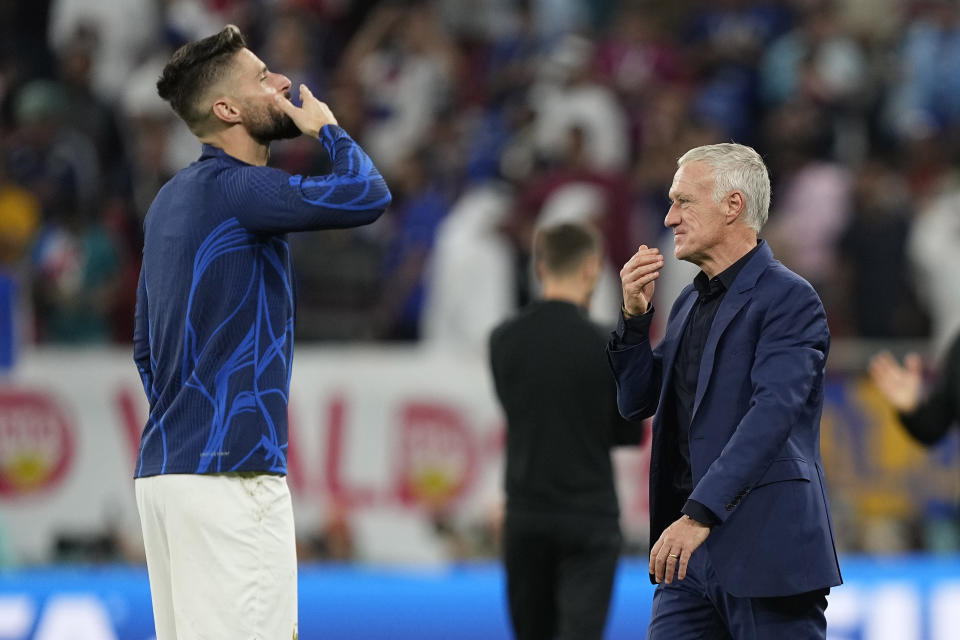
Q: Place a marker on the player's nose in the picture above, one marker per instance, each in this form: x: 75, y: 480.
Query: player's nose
x: 672, y: 218
x: 282, y: 83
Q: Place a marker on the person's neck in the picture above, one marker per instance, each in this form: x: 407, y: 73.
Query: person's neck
x: 566, y: 291
x: 724, y: 255
x: 236, y: 142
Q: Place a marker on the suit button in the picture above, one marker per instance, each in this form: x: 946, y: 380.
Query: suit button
x: 730, y: 506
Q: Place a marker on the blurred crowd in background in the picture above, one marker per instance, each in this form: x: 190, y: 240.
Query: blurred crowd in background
x: 489, y: 117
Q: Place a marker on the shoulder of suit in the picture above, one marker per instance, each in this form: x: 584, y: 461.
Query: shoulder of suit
x: 779, y: 279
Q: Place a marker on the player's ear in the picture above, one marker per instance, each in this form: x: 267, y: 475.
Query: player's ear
x: 736, y: 206
x: 225, y: 111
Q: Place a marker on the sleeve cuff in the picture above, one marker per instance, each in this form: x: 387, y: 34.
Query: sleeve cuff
x: 699, y: 512
x: 330, y: 133
x: 635, y: 329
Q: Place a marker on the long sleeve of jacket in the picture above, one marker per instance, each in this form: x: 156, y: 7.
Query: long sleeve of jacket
x: 636, y: 367
x: 268, y: 200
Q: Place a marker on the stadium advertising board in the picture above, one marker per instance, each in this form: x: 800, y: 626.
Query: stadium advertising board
x: 904, y: 598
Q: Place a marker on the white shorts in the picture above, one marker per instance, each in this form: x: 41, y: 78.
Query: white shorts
x: 221, y: 556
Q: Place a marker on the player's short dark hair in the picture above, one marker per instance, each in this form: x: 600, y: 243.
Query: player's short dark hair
x: 562, y: 248
x: 194, y: 68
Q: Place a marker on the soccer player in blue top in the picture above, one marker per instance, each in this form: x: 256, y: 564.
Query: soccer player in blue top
x: 214, y: 341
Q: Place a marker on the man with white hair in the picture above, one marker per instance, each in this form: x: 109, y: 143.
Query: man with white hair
x: 742, y: 543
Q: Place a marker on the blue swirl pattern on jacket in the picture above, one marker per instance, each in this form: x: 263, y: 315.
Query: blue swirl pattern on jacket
x: 213, y: 340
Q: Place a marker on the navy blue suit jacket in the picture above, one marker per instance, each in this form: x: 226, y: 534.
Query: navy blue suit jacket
x: 754, y: 433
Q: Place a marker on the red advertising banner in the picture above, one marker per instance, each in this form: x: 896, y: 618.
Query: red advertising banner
x: 395, y: 436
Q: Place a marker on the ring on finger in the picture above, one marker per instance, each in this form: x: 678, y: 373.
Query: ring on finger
x: 672, y: 555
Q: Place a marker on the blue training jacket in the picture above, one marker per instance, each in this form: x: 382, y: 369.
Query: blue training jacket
x: 213, y: 339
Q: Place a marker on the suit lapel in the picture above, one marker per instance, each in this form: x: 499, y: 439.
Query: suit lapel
x: 740, y: 293
x: 671, y: 340
x: 668, y: 350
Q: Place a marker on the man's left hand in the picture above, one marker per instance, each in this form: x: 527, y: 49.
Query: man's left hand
x: 672, y: 551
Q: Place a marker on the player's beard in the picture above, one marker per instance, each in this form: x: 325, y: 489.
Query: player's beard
x: 266, y: 123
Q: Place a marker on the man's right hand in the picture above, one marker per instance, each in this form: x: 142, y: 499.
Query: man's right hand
x: 637, y: 279
x: 310, y: 118
x: 900, y: 385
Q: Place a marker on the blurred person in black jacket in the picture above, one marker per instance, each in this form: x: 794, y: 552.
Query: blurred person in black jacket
x: 562, y: 533
x: 926, y: 416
